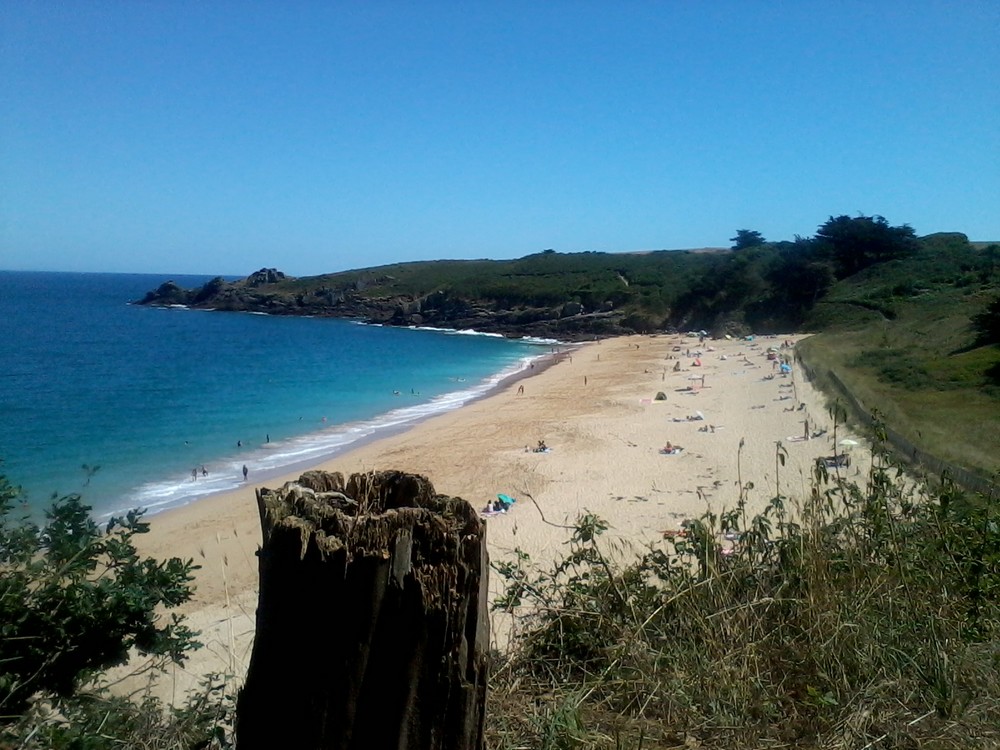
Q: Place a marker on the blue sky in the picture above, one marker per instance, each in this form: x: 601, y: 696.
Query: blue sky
x: 222, y: 137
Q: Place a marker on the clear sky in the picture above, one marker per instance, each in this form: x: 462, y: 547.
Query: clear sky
x: 174, y: 136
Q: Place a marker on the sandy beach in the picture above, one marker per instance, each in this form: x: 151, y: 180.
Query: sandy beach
x: 596, y: 410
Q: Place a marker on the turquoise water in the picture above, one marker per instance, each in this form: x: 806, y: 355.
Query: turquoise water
x: 147, y: 395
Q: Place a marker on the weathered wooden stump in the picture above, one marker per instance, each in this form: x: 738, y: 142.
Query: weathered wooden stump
x: 372, y: 628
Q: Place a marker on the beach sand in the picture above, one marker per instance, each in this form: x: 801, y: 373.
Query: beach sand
x: 596, y: 410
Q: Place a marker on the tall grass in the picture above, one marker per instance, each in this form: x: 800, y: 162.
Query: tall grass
x: 858, y: 616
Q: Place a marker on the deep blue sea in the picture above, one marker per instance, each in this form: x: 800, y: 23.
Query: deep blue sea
x: 146, y: 395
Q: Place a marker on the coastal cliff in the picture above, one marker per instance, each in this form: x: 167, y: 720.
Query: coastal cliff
x: 371, y: 299
x: 853, y: 268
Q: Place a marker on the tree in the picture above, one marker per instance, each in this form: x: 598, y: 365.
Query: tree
x: 747, y: 238
x: 855, y: 243
x: 75, y: 600
x: 987, y: 323
x: 798, y: 278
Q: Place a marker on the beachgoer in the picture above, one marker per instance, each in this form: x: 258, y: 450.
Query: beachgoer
x: 245, y: 472
x: 194, y: 474
x: 204, y: 471
x: 239, y: 443
x: 520, y: 390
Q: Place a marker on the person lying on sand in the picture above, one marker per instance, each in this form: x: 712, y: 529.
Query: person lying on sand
x: 670, y: 449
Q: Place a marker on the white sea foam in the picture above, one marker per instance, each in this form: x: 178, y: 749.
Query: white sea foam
x: 542, y: 342
x: 280, y: 457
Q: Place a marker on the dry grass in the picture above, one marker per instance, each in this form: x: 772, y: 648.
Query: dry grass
x: 856, y: 617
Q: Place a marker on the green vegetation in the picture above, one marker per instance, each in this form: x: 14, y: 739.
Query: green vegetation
x: 915, y: 338
x: 762, y: 286
x: 98, y: 720
x: 766, y: 285
x: 747, y: 238
x: 74, y: 601
x: 860, y: 616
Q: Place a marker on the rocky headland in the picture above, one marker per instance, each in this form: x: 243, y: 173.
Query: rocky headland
x: 370, y: 299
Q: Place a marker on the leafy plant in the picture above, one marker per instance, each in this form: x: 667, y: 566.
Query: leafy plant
x: 75, y: 600
x: 98, y: 721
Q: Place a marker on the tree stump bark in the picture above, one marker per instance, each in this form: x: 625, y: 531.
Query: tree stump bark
x: 372, y: 629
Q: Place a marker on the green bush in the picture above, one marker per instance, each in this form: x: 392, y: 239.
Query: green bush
x: 98, y: 721
x: 75, y: 600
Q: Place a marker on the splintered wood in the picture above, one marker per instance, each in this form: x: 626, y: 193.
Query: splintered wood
x: 372, y: 629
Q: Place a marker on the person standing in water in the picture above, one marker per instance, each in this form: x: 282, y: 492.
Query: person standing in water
x: 245, y: 472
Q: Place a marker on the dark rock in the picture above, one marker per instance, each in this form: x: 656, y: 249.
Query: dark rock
x: 570, y: 309
x: 167, y: 293
x: 266, y: 291
x: 264, y: 276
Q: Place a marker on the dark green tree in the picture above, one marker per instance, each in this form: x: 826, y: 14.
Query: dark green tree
x: 987, y: 323
x: 855, y: 243
x: 747, y: 238
x: 74, y: 600
x: 798, y: 278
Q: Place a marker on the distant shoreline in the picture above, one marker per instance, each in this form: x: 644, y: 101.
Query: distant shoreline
x: 536, y: 366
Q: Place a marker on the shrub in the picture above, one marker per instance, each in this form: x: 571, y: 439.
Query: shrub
x: 856, y: 613
x: 75, y: 600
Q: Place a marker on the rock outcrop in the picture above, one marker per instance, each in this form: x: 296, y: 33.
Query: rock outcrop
x: 271, y: 291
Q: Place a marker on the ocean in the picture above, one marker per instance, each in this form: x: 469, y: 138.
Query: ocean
x: 121, y: 403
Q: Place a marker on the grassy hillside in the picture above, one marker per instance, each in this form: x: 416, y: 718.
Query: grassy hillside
x: 646, y: 282
x: 901, y: 336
